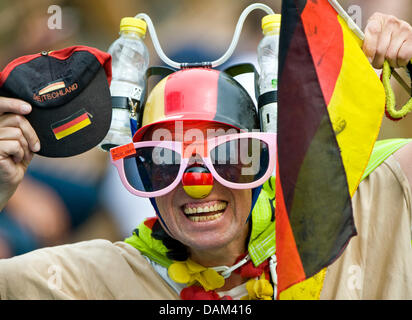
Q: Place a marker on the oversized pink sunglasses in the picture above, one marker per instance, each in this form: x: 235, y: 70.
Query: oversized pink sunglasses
x: 237, y: 161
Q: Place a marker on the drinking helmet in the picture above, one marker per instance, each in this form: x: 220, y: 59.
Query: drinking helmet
x: 199, y: 94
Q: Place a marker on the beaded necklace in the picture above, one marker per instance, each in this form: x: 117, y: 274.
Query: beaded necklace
x: 202, y: 282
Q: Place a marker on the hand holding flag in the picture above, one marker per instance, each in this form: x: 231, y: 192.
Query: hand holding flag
x: 331, y: 105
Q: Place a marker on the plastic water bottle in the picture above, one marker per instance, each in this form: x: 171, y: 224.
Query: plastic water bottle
x: 130, y: 59
x: 268, y: 52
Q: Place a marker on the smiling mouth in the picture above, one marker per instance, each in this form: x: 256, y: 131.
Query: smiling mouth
x: 206, y: 211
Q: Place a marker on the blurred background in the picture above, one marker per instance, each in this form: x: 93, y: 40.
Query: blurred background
x: 81, y: 198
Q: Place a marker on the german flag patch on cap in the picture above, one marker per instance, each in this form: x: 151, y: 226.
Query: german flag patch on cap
x: 70, y: 125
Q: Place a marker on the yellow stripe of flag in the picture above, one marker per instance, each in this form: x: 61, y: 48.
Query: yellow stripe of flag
x: 72, y: 129
x: 357, y: 117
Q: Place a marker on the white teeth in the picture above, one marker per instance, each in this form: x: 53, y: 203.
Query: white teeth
x: 205, y: 218
x: 215, y: 207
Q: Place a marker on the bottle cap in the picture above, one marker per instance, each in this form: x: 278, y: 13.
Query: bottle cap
x: 271, y: 22
x: 133, y: 24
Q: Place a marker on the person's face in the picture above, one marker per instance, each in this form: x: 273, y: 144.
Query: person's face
x: 186, y: 219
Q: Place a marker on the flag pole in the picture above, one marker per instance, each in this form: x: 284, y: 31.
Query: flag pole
x: 354, y: 27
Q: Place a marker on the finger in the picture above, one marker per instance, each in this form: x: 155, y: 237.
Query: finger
x: 405, y: 53
x: 402, y: 32
x: 382, y: 47
x: 392, y: 52
x: 12, y: 168
x: 14, y: 120
x: 12, y: 133
x: 372, y: 32
x: 14, y: 106
x: 26, y: 160
x: 13, y: 149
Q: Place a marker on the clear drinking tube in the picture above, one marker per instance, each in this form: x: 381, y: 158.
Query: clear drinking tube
x: 224, y: 57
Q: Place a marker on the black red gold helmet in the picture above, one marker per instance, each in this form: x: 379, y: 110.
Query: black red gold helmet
x: 199, y: 94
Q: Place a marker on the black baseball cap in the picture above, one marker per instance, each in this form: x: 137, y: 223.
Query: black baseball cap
x: 68, y: 90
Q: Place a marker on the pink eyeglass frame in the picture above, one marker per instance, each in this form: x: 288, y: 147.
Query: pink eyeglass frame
x: 267, y: 137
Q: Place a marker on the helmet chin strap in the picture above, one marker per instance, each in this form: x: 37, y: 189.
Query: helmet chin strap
x: 255, y: 196
x: 153, y: 202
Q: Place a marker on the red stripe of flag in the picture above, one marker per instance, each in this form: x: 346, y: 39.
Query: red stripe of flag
x: 71, y: 123
x: 325, y: 43
x: 197, y: 179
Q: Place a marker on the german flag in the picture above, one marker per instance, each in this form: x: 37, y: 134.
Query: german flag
x: 52, y: 87
x: 71, y: 124
x: 330, y: 108
x: 197, y: 182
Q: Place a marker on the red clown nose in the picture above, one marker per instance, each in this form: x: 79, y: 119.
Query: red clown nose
x: 197, y: 182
